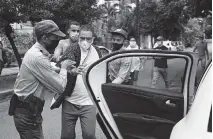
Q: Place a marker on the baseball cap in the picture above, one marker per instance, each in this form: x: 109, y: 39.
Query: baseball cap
x: 121, y: 32
x: 46, y: 27
x: 159, y: 38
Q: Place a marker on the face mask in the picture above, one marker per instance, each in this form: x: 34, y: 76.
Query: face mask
x: 51, y: 47
x: 84, y: 45
x: 132, y: 44
x: 117, y: 46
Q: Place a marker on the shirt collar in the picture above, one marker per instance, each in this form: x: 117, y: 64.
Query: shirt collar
x: 42, y: 49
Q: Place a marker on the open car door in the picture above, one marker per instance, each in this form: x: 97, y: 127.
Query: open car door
x: 151, y: 99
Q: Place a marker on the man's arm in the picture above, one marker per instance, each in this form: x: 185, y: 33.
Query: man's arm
x: 43, y: 72
x: 195, y: 48
x: 124, y: 70
x: 58, y: 52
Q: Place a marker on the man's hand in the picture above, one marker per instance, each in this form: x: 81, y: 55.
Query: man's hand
x: 68, y: 64
x: 56, y: 57
x: 78, y: 70
x: 55, y: 68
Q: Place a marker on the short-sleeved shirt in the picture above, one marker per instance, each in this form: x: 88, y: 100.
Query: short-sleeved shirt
x: 120, y: 68
x: 201, y: 48
x: 135, y: 65
x: 161, y: 62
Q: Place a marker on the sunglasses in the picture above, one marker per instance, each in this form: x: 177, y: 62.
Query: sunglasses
x: 88, y: 39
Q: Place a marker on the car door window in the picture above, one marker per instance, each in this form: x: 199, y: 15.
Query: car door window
x: 144, y: 94
x: 164, y: 73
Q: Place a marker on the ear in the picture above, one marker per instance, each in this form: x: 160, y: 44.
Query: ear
x: 68, y: 32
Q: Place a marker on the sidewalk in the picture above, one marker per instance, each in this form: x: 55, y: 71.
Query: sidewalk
x: 7, y: 80
x: 8, y: 71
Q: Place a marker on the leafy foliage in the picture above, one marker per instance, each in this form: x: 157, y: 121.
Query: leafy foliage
x: 192, y: 30
x: 164, y: 18
x: 61, y: 11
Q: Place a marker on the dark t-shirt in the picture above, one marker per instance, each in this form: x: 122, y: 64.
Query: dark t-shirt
x: 161, y: 62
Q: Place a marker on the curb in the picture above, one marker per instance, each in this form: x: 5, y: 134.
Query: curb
x: 6, y: 94
x: 9, y: 74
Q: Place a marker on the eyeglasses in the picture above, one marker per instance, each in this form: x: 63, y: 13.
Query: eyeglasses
x: 74, y: 30
x: 88, y: 39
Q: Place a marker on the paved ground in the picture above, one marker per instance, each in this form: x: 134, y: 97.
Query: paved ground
x: 51, y: 123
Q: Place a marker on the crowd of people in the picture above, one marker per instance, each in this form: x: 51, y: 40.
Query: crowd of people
x: 38, y: 76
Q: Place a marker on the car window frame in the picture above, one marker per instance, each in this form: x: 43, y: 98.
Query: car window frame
x: 209, y: 127
x: 185, y: 69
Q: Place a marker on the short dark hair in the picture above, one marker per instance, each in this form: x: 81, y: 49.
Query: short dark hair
x: 73, y: 23
x: 87, y: 28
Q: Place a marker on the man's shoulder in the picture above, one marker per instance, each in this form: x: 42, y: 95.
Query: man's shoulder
x: 34, y: 55
x: 64, y: 42
x: 126, y: 59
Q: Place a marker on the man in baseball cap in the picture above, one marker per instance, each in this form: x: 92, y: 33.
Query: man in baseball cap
x: 160, y: 65
x: 37, y: 77
x: 118, y: 38
x: 119, y: 69
x: 49, y: 34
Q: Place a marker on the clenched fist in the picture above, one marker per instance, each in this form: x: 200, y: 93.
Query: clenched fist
x: 68, y: 64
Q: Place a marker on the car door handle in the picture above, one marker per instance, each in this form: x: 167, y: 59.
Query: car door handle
x: 168, y: 102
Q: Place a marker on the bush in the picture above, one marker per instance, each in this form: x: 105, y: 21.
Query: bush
x: 23, y: 42
x: 191, y: 31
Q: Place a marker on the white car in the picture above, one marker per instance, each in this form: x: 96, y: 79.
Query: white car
x: 197, y: 124
x: 141, y: 112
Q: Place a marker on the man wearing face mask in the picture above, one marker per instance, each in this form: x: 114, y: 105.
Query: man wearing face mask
x: 77, y: 103
x: 136, y: 64
x: 36, y: 77
x: 73, y: 32
x: 132, y: 44
x: 119, y: 69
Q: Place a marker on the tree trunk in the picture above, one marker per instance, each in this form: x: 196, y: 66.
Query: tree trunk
x: 8, y: 31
